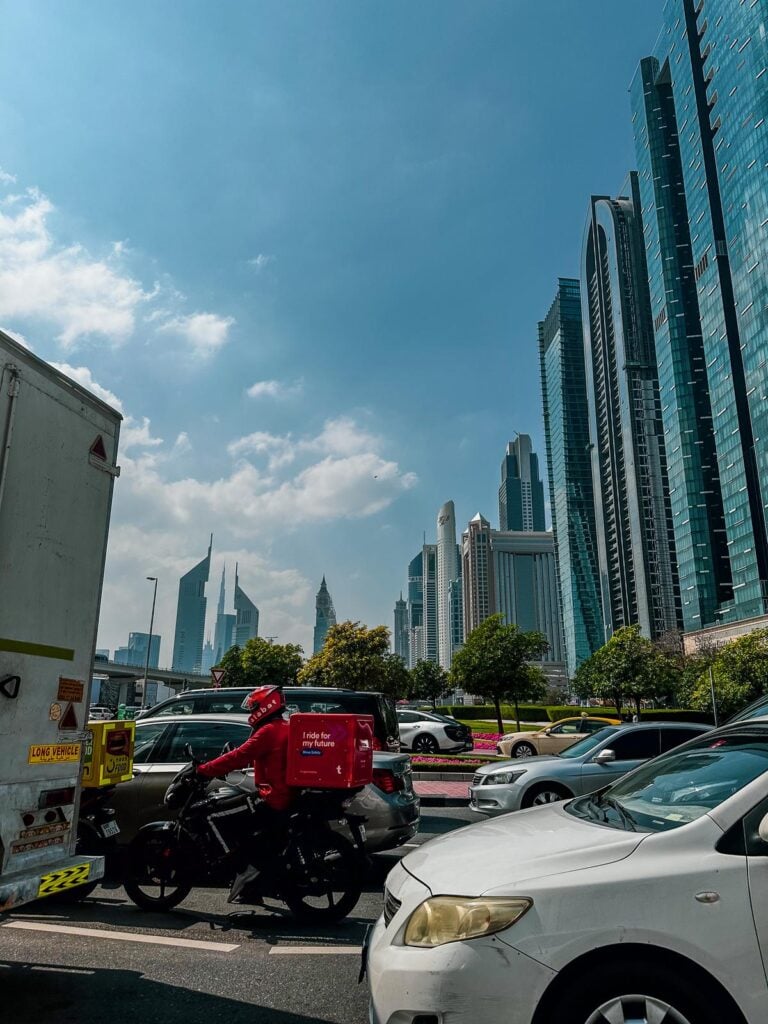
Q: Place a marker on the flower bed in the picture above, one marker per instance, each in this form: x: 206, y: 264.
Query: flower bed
x: 448, y: 763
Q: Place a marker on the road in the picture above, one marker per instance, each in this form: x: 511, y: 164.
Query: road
x: 203, y: 962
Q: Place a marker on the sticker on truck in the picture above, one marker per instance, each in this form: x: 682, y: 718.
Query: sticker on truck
x: 53, y: 753
x: 67, y: 878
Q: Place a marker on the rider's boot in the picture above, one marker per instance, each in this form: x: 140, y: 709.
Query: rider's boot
x: 247, y: 875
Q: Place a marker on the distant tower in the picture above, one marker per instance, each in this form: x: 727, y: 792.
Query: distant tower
x: 247, y: 615
x: 190, y: 617
x: 428, y: 651
x: 400, y: 636
x: 415, y: 609
x: 209, y: 659
x: 521, y: 494
x: 477, y: 573
x: 325, y: 615
x: 447, y: 573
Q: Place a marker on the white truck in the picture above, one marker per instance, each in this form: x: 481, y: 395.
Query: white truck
x: 58, y: 449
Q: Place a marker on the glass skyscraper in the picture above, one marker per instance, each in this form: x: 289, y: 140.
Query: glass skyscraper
x: 400, y: 632
x: 246, y: 615
x: 566, y: 426
x: 415, y: 609
x: 190, y: 617
x: 429, y: 636
x: 447, y: 573
x: 521, y: 494
x: 325, y: 616
x: 699, y: 108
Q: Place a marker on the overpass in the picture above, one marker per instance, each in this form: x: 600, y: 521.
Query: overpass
x: 131, y: 673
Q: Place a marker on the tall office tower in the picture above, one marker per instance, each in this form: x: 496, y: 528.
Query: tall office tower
x: 476, y: 573
x: 521, y: 494
x: 635, y: 539
x: 221, y: 639
x: 400, y: 632
x: 209, y: 656
x: 246, y: 615
x: 190, y: 617
x: 137, y: 649
x: 456, y: 607
x: 699, y: 109
x: 447, y: 573
x: 566, y: 427
x: 429, y: 649
x: 325, y: 616
x: 415, y: 609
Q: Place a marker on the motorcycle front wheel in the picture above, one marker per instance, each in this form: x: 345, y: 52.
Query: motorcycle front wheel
x: 155, y: 878
x: 328, y: 886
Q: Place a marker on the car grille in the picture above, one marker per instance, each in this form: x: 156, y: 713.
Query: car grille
x: 391, y: 906
x: 478, y: 780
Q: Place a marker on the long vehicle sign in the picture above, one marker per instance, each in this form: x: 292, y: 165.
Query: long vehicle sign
x: 53, y: 753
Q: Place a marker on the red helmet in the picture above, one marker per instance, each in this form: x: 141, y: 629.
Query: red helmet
x: 261, y: 702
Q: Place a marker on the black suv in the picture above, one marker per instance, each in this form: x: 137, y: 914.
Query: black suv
x: 298, y: 698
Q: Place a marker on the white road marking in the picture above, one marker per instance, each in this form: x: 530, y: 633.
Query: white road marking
x: 103, y: 933
x: 411, y: 846
x: 315, y: 950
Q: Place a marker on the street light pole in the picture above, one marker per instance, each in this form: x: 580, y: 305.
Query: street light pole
x: 149, y: 643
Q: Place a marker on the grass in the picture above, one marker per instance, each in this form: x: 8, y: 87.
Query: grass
x: 484, y: 726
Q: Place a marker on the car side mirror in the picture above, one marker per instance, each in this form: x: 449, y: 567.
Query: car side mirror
x: 546, y: 731
x: 762, y: 829
x: 605, y: 757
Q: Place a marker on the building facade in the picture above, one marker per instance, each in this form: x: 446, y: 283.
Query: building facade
x: 400, y: 631
x: 521, y: 494
x: 700, y: 105
x: 190, y: 617
x: 633, y: 519
x: 429, y: 650
x: 566, y: 427
x: 477, y: 573
x: 246, y: 625
x: 447, y: 573
x: 325, y: 616
x: 415, y: 610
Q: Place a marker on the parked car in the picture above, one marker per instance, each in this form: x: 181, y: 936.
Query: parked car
x: 426, y: 732
x: 647, y: 902
x: 591, y: 764
x: 228, y: 701
x: 100, y: 713
x: 554, y: 738
x: 389, y: 804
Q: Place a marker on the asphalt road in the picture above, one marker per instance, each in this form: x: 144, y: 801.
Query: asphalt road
x: 203, y: 963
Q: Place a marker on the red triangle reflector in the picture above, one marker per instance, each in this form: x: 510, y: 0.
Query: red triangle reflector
x: 98, y: 449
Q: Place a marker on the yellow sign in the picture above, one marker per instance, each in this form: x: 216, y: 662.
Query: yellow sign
x: 53, y: 753
x: 67, y: 878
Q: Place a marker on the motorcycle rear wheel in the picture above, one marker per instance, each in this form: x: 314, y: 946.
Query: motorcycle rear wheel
x: 330, y: 884
x: 155, y: 879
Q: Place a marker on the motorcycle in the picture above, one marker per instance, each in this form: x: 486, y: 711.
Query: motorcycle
x: 302, y: 862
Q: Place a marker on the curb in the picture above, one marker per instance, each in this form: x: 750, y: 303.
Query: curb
x: 444, y: 801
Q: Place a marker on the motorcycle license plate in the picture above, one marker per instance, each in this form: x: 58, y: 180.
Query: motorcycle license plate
x: 110, y: 828
x: 362, y: 832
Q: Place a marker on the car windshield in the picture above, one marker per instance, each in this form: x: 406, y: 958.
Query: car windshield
x: 677, y: 788
x: 758, y: 709
x: 585, y: 745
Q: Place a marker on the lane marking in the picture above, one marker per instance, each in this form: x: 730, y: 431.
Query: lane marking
x: 315, y: 950
x: 102, y: 933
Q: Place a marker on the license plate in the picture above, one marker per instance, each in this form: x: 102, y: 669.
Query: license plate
x: 362, y: 832
x: 110, y: 828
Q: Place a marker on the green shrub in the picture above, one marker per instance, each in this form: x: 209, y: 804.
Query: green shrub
x: 487, y: 712
x: 554, y: 713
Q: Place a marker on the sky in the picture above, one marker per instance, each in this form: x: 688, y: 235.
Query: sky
x: 303, y: 247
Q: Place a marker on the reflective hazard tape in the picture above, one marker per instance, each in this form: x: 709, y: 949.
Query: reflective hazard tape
x: 66, y: 878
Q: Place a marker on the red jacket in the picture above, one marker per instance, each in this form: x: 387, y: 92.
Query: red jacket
x: 267, y: 751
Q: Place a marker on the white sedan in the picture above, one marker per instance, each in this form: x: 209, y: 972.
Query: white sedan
x: 426, y: 732
x: 646, y: 903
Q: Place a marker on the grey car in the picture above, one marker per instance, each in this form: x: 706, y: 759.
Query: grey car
x: 589, y: 765
x: 389, y: 804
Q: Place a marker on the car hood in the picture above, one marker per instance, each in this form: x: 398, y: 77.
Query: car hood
x: 502, y: 854
x: 519, y: 762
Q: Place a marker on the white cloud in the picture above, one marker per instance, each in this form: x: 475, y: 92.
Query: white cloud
x: 205, y: 333
x: 261, y: 261
x: 84, y: 378
x: 6, y: 178
x: 340, y: 436
x: 275, y: 389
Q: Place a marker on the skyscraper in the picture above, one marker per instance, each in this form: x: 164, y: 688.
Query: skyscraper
x: 415, y: 609
x: 246, y: 615
x: 447, y: 573
x: 456, y: 608
x: 190, y: 617
x: 209, y: 657
x: 566, y: 426
x: 400, y: 632
x: 325, y: 616
x: 428, y: 649
x: 223, y: 637
x: 521, y: 494
x: 476, y: 573
x: 700, y: 107
x: 635, y: 539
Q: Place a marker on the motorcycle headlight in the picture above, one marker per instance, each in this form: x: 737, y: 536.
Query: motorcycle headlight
x: 504, y: 778
x: 443, y: 919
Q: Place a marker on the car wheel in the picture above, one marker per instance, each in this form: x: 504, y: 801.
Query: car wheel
x: 425, y: 744
x: 523, y: 750
x: 546, y: 793
x: 638, y: 995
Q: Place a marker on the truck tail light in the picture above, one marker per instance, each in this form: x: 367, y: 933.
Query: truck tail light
x: 56, y: 797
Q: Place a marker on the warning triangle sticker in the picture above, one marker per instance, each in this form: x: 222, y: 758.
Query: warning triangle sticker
x: 98, y: 449
x: 69, y: 719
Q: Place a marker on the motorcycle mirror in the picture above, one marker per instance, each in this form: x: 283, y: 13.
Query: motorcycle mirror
x: 227, y: 747
x: 189, y: 752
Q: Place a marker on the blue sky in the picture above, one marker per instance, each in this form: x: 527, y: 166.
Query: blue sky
x: 305, y: 246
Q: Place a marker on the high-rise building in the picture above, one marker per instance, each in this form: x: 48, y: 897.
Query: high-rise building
x: 476, y: 573
x: 700, y: 106
x: 325, y: 616
x: 456, y: 608
x: 209, y: 657
x: 447, y: 573
x: 429, y: 648
x: 223, y: 634
x: 415, y: 609
x: 521, y: 494
x: 635, y: 539
x: 190, y: 617
x: 400, y: 632
x: 566, y: 426
x: 246, y: 615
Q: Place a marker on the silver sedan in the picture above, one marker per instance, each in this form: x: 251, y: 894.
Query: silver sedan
x: 587, y: 766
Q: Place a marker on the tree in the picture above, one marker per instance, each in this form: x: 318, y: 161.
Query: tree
x: 428, y: 681
x: 353, y: 656
x: 261, y: 663
x: 234, y: 674
x: 739, y: 671
x: 627, y: 667
x: 396, y: 679
x: 494, y: 662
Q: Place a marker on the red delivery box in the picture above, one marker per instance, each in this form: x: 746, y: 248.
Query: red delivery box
x: 330, y: 751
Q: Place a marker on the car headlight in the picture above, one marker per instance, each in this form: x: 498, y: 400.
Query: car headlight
x: 442, y: 919
x: 504, y: 778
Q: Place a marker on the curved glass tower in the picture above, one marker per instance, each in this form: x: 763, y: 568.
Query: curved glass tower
x: 325, y: 616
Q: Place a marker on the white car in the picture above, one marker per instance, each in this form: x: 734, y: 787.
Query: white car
x: 426, y: 732
x: 646, y: 903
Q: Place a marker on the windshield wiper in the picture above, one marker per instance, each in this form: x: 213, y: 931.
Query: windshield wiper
x: 623, y: 813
